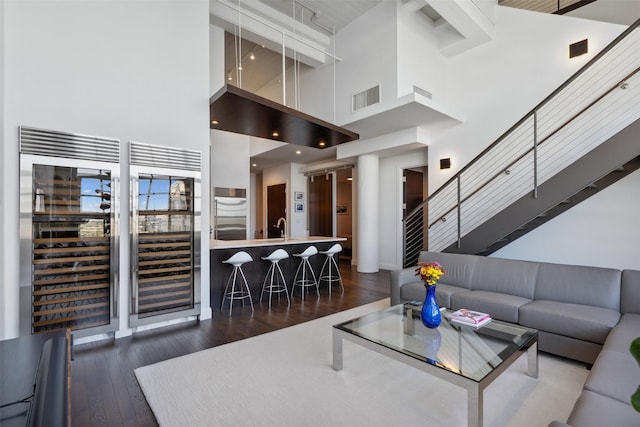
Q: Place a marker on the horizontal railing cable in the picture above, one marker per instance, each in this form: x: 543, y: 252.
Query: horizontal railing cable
x: 562, y: 127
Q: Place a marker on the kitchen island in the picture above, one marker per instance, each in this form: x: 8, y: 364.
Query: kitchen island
x: 256, y: 270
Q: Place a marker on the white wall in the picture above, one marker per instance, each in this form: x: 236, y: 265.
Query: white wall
x: 497, y: 83
x: 601, y: 231
x: 135, y: 70
x: 420, y: 62
x: 230, y: 160
x: 368, y: 49
x: 230, y: 165
x: 299, y: 226
x: 9, y: 298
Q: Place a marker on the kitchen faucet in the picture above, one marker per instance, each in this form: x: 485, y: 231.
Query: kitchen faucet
x: 283, y: 233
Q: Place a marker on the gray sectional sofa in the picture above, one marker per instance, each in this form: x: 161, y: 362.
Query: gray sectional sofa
x: 589, y: 314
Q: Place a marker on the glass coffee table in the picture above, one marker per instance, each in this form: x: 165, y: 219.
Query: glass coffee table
x: 467, y: 357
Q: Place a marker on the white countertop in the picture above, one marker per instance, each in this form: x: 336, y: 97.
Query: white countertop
x: 227, y: 244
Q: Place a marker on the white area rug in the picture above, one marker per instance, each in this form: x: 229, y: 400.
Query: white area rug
x: 285, y: 378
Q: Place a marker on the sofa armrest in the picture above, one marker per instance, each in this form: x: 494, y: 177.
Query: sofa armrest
x: 398, y: 279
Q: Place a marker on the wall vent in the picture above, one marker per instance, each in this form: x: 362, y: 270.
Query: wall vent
x: 44, y: 142
x: 366, y: 98
x: 156, y: 155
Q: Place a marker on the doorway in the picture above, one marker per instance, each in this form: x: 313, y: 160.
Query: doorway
x: 276, y: 208
x: 321, y: 205
x: 414, y: 230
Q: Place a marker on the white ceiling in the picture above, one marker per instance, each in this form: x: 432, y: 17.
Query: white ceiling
x: 323, y: 15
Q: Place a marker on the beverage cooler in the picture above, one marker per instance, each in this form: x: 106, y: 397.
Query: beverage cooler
x: 165, y: 233
x: 68, y: 232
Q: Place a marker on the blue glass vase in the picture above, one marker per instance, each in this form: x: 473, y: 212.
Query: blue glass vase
x: 430, y: 313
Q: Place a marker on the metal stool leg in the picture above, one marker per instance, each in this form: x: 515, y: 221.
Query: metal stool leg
x: 234, y: 294
x: 274, y: 282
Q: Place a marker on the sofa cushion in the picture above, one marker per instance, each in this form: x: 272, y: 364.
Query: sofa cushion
x: 625, y: 331
x: 458, y: 267
x: 576, y: 284
x: 630, y: 292
x: 595, y: 410
x: 506, y: 276
x: 573, y: 320
x: 499, y: 306
x: 412, y: 291
x: 614, y: 374
x: 444, y: 293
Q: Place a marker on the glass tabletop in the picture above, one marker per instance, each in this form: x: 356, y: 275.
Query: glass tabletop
x: 469, y: 352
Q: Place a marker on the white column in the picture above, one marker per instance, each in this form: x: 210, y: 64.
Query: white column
x: 368, y: 213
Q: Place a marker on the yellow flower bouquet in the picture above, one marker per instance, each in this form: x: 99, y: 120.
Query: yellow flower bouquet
x: 430, y: 273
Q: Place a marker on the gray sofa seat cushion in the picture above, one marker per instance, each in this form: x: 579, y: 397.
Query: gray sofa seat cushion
x: 413, y: 291
x: 575, y: 284
x: 444, y: 292
x: 506, y: 276
x: 630, y: 292
x: 499, y: 306
x: 595, y: 410
x: 583, y: 322
x: 625, y: 331
x: 614, y: 374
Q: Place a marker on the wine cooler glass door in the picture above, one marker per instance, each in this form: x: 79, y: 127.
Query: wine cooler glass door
x: 164, y: 246
x: 72, y: 281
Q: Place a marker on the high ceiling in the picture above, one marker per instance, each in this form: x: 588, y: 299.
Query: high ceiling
x: 264, y: 71
x: 262, y: 67
x: 323, y: 15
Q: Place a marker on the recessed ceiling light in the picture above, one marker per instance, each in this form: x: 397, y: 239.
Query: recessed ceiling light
x: 252, y: 56
x: 215, y: 122
x: 322, y: 144
x: 254, y: 165
x: 350, y: 178
x: 298, y: 152
x: 275, y: 134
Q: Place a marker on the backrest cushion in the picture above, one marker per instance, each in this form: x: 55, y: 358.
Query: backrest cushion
x: 576, y: 284
x: 507, y: 276
x: 630, y: 292
x: 458, y: 267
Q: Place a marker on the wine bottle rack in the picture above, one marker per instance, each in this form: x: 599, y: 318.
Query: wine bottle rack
x: 165, y: 272
x: 71, y: 283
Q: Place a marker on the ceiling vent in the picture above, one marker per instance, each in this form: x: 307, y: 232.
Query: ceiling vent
x: 366, y: 98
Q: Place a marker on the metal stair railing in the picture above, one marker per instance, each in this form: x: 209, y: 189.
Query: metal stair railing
x: 597, y: 102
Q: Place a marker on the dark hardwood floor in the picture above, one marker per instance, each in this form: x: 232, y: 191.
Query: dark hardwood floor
x: 105, y: 391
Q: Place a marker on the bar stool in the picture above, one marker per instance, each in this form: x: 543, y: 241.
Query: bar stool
x: 305, y: 272
x: 242, y: 292
x: 279, y: 284
x: 330, y: 272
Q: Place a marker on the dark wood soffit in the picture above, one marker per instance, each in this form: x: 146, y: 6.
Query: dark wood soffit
x: 236, y: 110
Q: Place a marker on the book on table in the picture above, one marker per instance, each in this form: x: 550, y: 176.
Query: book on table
x: 470, y: 318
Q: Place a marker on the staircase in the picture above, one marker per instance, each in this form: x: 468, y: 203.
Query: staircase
x: 580, y: 139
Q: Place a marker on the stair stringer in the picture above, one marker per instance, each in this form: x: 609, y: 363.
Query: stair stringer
x: 621, y: 148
